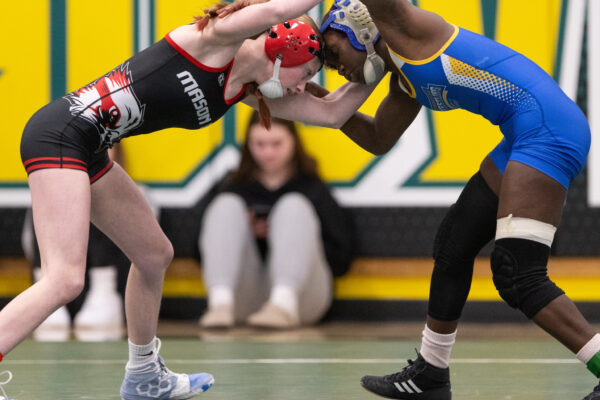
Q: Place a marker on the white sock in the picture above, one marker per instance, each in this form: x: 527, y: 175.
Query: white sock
x: 436, y: 347
x: 141, y: 354
x: 286, y: 298
x: 220, y: 295
x: 589, y: 350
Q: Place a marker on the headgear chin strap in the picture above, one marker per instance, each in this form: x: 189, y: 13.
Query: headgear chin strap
x: 289, y: 44
x: 352, y: 18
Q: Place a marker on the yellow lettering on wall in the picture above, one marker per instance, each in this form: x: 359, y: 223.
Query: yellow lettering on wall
x: 99, y: 37
x: 531, y: 27
x: 464, y: 13
x: 24, y: 78
x: 169, y: 17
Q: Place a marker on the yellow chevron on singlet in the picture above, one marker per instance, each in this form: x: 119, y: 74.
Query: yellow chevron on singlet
x: 462, y: 74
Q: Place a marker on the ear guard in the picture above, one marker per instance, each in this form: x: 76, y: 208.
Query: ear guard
x: 272, y: 88
x: 374, y: 67
x: 352, y: 18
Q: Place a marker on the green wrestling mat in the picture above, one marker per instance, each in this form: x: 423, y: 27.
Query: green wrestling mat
x: 299, y: 370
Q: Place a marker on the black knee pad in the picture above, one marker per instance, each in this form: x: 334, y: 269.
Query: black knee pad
x: 469, y: 224
x: 520, y: 274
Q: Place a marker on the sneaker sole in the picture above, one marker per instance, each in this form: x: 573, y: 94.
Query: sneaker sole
x: 443, y: 395
x: 201, y: 389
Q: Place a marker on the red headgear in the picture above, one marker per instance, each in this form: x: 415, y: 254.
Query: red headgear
x: 295, y: 40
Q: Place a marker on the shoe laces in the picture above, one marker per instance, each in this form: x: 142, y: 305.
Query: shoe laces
x: 4, y: 382
x: 163, y: 371
x: 413, y: 369
x: 162, y: 368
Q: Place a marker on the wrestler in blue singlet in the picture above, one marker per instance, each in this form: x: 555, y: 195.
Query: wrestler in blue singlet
x: 542, y: 127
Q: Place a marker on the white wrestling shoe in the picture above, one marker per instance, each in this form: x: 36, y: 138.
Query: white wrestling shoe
x: 154, y: 380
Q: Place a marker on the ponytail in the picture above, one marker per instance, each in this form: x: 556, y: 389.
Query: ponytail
x: 264, y: 113
x: 222, y: 9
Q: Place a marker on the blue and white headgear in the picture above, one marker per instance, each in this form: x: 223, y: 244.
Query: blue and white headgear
x: 352, y: 18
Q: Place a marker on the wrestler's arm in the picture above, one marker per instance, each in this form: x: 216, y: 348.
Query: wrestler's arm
x: 379, y: 134
x: 398, y: 13
x: 331, y: 111
x: 409, y: 30
x: 258, y: 17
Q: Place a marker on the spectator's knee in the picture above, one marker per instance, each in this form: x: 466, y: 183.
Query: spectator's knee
x: 294, y: 210
x: 294, y: 204
x: 226, y: 202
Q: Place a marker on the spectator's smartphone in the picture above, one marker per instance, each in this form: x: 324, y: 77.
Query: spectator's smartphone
x: 261, y: 210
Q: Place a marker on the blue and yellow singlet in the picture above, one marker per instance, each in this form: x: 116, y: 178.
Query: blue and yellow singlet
x: 542, y: 127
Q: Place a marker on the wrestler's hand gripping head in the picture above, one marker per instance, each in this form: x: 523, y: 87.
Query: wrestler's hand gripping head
x: 288, y: 44
x: 352, y: 18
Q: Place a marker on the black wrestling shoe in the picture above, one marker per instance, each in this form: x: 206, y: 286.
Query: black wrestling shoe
x: 595, y: 395
x: 419, y: 380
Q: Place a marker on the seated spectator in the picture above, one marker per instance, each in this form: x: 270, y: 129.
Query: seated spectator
x: 273, y: 237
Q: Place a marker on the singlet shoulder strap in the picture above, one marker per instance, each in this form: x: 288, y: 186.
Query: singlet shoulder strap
x: 428, y: 59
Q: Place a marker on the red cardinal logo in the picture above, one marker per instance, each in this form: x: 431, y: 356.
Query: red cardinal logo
x: 110, y: 104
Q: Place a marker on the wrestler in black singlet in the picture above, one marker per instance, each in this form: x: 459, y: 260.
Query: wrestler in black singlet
x: 160, y: 87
